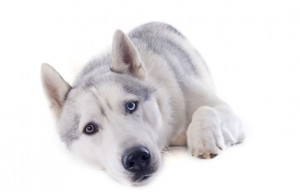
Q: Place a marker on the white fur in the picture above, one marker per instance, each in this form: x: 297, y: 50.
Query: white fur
x: 182, y: 110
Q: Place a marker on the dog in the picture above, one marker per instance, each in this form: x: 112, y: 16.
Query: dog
x: 150, y: 91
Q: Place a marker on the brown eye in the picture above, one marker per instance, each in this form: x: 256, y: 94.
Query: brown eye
x: 90, y: 129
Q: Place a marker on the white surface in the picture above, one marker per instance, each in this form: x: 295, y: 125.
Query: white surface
x: 251, y: 47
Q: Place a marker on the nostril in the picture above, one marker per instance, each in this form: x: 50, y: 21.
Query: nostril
x: 145, y: 157
x: 130, y: 164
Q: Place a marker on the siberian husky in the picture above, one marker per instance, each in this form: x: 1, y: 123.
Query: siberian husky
x: 150, y: 91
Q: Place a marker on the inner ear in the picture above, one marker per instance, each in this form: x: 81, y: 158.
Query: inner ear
x: 56, y: 88
x: 126, y: 58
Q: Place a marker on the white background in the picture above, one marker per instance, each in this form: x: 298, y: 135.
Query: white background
x: 251, y: 47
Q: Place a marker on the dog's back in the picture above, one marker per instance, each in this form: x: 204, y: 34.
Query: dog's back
x: 169, y: 44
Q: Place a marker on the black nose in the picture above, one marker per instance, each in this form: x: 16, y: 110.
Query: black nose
x: 136, y: 159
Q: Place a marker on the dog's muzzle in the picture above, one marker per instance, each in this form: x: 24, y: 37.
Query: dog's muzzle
x: 137, y: 160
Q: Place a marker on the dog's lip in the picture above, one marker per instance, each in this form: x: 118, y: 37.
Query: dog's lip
x: 142, y: 179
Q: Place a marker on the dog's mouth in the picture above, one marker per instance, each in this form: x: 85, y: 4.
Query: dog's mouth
x: 141, y: 178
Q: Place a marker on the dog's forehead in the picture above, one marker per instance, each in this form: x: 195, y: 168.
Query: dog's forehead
x: 116, y: 85
x: 108, y: 91
x: 135, y: 87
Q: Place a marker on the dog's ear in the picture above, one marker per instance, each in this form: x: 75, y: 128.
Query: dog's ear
x: 126, y: 58
x: 55, y: 87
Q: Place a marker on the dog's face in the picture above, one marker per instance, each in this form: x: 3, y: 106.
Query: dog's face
x: 111, y: 120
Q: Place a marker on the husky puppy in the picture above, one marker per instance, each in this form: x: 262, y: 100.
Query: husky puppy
x: 152, y: 90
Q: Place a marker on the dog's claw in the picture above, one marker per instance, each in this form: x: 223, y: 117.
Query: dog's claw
x: 213, y: 155
x: 207, y: 156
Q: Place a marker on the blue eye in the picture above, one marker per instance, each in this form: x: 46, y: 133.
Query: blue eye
x: 131, y: 106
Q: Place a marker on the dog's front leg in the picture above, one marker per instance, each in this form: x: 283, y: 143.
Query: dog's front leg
x: 212, y: 129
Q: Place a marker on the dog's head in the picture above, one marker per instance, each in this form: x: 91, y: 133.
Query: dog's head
x: 111, y: 119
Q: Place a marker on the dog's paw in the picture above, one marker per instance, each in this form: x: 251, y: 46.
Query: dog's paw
x: 205, y: 141
x: 206, y: 135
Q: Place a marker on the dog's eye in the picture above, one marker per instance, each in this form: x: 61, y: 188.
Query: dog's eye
x: 90, y: 129
x: 131, y: 106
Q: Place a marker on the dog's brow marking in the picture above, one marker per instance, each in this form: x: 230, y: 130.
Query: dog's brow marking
x: 94, y: 93
x: 138, y: 90
x: 108, y: 104
x: 102, y: 110
x: 98, y: 100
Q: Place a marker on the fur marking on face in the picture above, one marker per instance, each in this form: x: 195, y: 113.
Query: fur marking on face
x: 150, y: 91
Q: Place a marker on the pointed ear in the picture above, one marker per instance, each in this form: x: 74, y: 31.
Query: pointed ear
x: 56, y: 88
x: 126, y: 58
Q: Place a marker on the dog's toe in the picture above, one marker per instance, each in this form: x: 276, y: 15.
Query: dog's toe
x: 207, y: 156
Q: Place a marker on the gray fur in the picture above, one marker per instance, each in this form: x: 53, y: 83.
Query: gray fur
x: 70, y: 131
x: 131, y: 86
x: 141, y: 36
x: 98, y: 71
x: 102, y: 111
x: 172, y: 29
x: 167, y: 49
x: 108, y: 104
x: 155, y: 65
